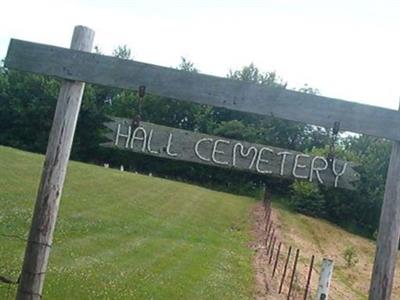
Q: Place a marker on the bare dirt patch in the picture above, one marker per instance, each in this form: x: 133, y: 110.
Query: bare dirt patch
x: 265, y: 285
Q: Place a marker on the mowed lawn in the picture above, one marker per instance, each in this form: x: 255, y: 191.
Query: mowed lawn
x: 126, y: 236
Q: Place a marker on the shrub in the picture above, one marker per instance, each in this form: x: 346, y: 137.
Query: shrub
x: 350, y: 256
x: 306, y: 198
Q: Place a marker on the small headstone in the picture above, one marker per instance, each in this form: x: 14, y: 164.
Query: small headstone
x: 121, y: 168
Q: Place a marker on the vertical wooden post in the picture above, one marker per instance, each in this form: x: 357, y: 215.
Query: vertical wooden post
x: 51, y: 185
x: 324, y: 279
x: 389, y: 232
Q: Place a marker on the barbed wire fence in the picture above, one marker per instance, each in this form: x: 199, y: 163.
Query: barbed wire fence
x: 295, y: 274
x: 9, y: 274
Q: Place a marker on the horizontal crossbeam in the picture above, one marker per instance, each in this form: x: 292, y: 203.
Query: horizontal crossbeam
x: 205, y: 89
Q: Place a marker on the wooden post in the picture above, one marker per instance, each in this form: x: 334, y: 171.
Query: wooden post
x: 389, y: 232
x: 309, y: 278
x: 52, y: 181
x: 324, y: 279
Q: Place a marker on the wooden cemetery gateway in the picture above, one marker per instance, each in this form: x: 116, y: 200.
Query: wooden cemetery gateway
x: 77, y: 65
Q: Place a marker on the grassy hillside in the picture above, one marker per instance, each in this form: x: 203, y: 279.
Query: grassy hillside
x: 127, y: 236
x: 323, y: 239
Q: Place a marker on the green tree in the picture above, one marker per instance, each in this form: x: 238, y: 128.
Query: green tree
x: 307, y: 199
x: 123, y: 52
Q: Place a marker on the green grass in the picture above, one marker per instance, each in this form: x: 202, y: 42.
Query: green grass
x: 125, y: 236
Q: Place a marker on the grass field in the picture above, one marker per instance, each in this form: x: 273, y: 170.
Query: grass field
x: 127, y: 236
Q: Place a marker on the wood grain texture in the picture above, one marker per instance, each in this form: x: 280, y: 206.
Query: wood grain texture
x: 51, y: 185
x: 389, y: 232
x: 153, y: 139
x: 204, y: 89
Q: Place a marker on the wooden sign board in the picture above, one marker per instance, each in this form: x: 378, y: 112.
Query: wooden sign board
x: 178, y: 144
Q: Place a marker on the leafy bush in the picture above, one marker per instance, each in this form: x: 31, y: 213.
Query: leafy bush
x: 350, y: 256
x: 306, y: 198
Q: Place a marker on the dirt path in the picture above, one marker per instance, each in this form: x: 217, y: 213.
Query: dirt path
x: 265, y: 285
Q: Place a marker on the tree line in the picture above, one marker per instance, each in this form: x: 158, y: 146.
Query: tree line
x: 27, y: 104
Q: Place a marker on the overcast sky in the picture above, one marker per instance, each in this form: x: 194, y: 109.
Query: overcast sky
x: 348, y: 49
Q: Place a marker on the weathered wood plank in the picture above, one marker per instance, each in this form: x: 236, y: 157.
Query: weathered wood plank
x: 204, y: 89
x: 389, y: 232
x: 51, y: 185
x: 195, y: 147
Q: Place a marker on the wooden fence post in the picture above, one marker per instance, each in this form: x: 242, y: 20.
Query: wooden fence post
x: 51, y: 185
x: 389, y: 232
x: 325, y: 279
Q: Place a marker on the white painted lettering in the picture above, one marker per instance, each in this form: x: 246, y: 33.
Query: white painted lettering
x: 196, y: 148
x: 336, y: 173
x: 317, y: 169
x: 149, y: 142
x: 215, y: 151
x: 119, y: 134
x: 169, y: 146
x: 296, y: 166
x: 143, y: 138
x: 284, y: 155
x: 243, y: 153
x: 259, y: 159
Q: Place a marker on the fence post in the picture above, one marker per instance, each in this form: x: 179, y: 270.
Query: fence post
x: 268, y: 233
x: 272, y: 251
x: 309, y: 278
x: 270, y: 241
x: 284, y: 270
x: 325, y: 279
x: 267, y: 218
x: 51, y: 185
x: 293, y: 273
x: 276, y: 259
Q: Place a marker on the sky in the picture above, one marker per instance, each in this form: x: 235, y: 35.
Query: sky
x: 347, y: 49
